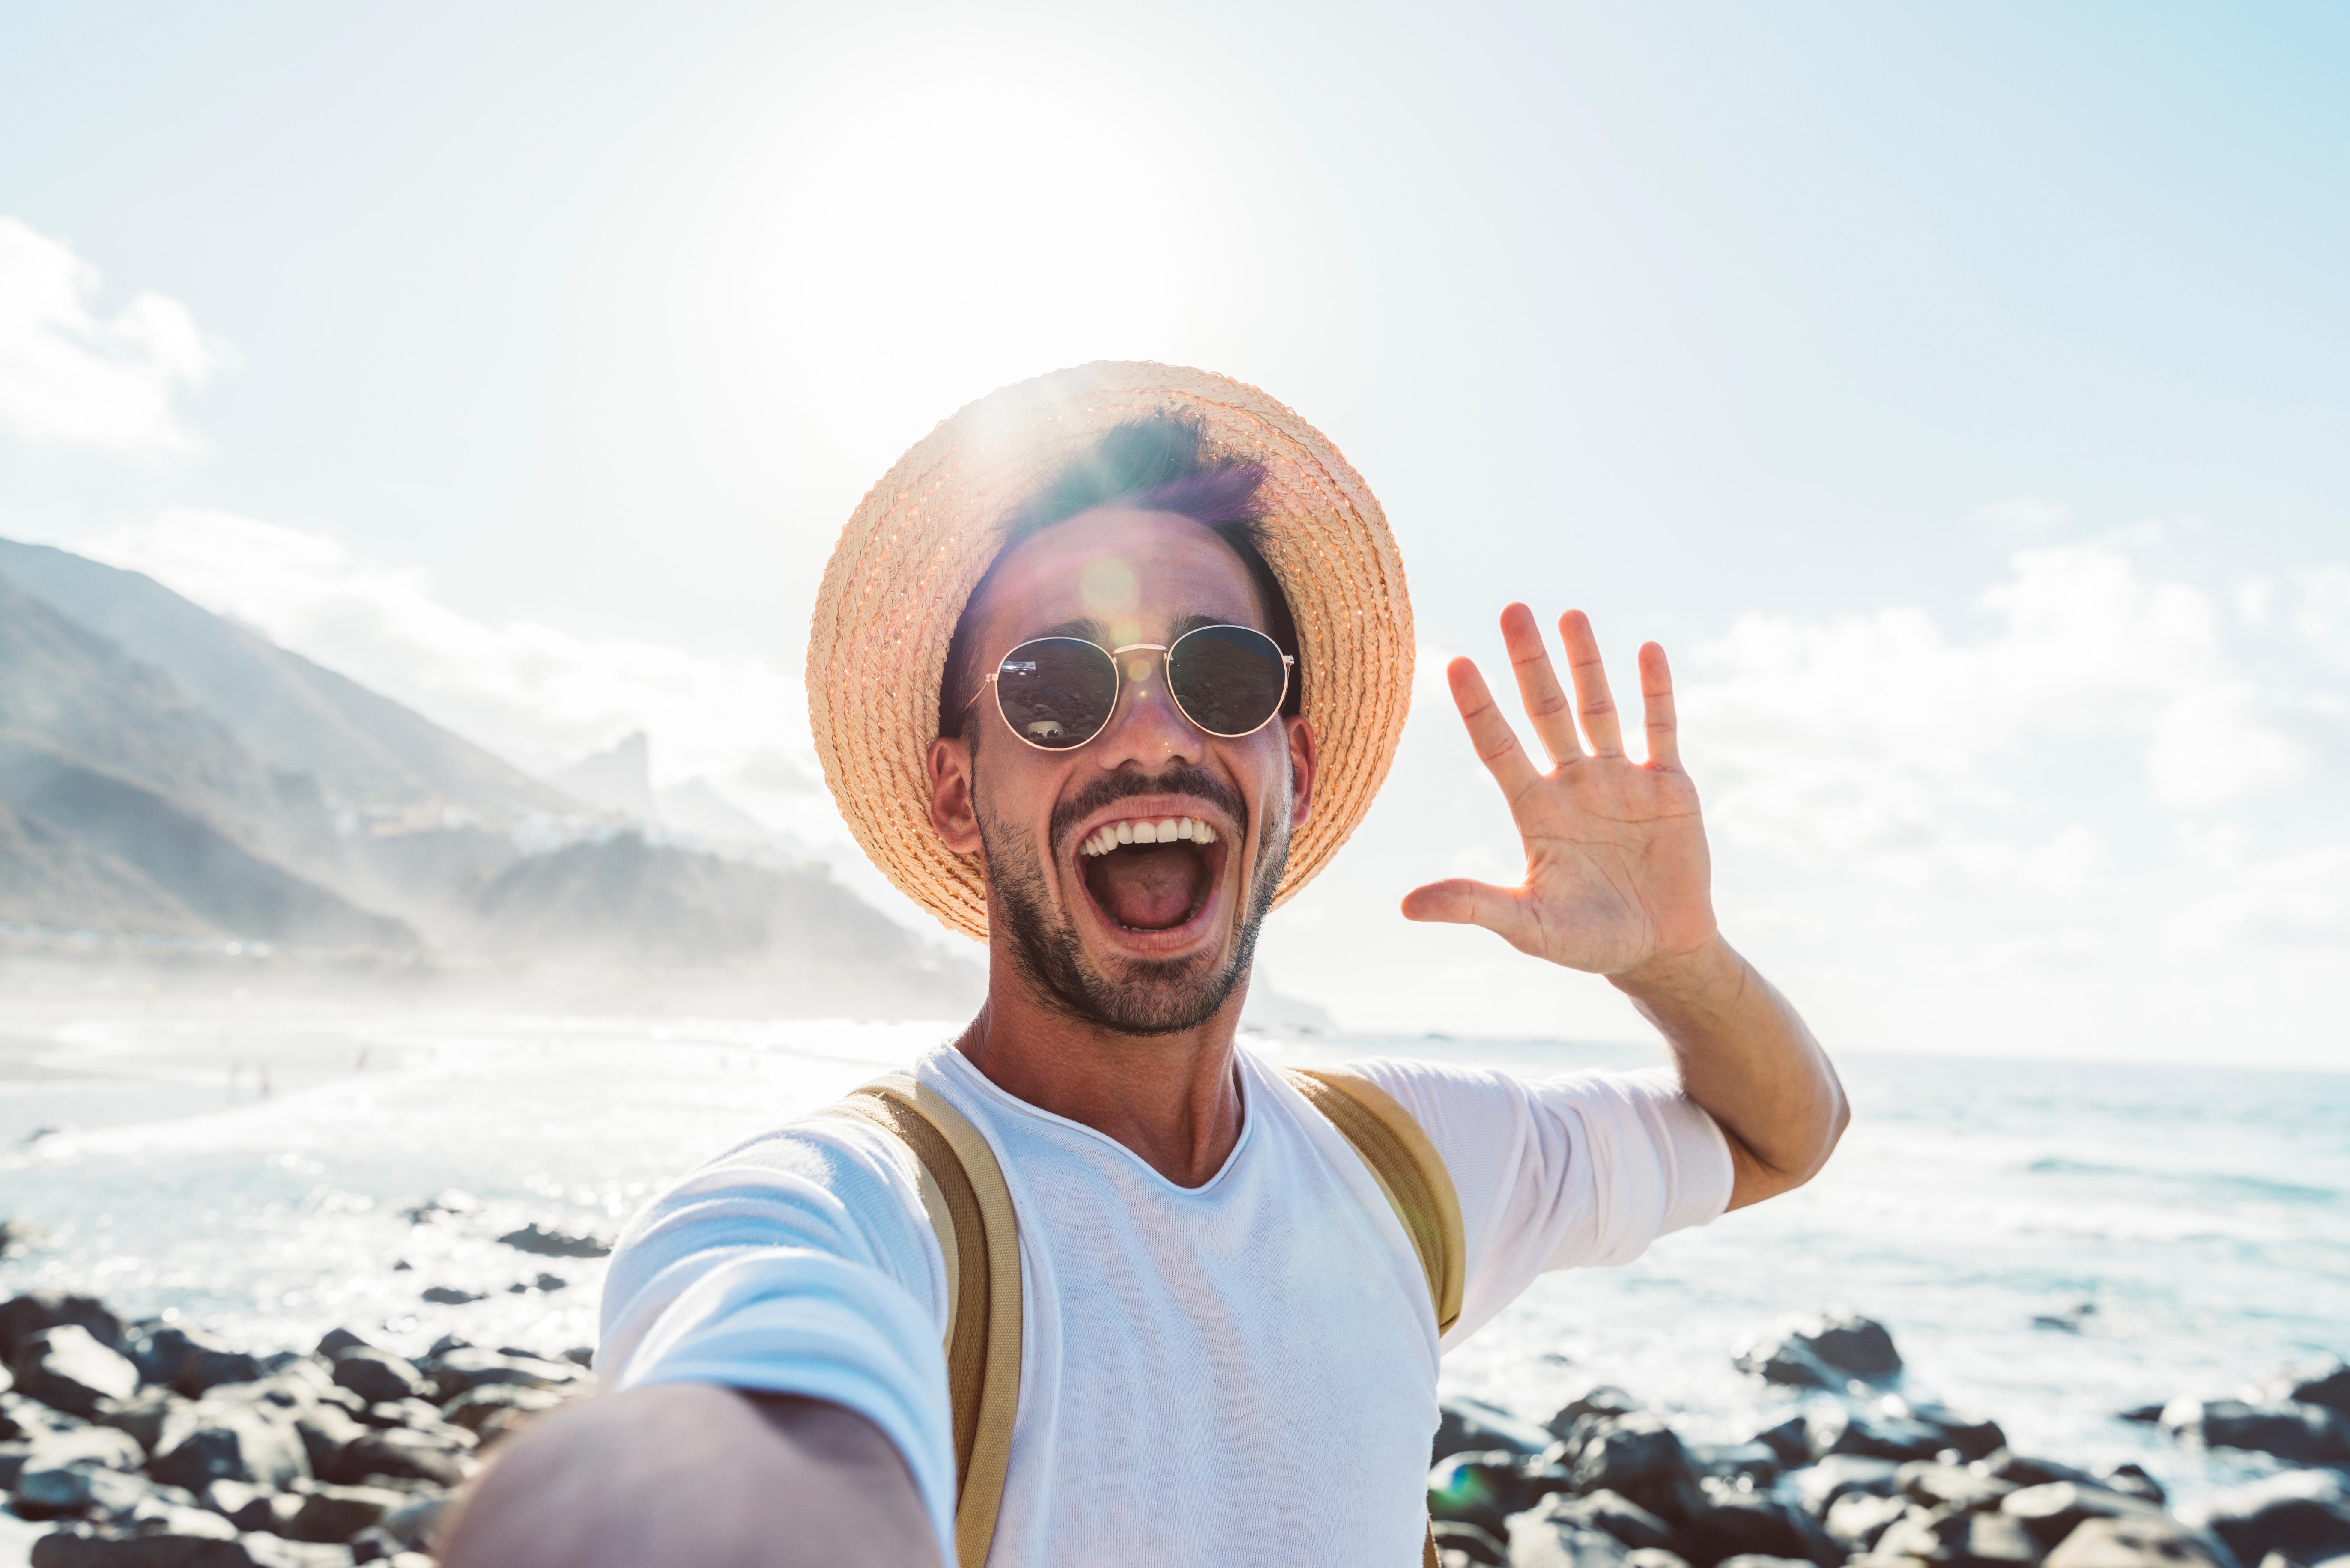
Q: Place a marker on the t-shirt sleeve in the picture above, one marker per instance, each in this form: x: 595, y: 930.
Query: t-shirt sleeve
x: 800, y: 1262
x: 1578, y: 1171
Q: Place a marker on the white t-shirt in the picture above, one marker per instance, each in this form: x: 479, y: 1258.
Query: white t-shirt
x: 1239, y: 1372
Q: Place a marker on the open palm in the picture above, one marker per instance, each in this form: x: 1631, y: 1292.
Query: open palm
x: 1617, y: 869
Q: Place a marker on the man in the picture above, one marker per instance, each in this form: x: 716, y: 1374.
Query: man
x: 1106, y: 667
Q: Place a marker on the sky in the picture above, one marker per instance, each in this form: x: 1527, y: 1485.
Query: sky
x: 1962, y: 396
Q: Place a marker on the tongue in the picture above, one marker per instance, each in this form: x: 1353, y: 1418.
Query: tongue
x: 1149, y: 889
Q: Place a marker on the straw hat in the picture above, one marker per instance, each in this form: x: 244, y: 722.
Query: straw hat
x: 920, y: 540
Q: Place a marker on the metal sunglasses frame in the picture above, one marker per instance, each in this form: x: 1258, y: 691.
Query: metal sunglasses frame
x: 1166, y: 651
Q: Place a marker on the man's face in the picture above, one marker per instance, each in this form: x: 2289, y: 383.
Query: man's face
x: 1143, y: 939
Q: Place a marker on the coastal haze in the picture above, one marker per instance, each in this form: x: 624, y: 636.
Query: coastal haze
x: 421, y: 433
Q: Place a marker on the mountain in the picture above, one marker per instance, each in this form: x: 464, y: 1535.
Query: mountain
x: 697, y: 807
x: 366, y: 750
x: 166, y: 774
x: 50, y: 878
x: 65, y: 689
x: 620, y: 779
x: 131, y: 809
x: 200, y: 867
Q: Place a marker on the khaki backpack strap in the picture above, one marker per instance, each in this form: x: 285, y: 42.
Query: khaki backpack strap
x: 1411, y: 1176
x: 1408, y: 1169
x: 970, y: 1208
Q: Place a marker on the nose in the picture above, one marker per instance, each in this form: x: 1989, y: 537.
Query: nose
x: 1148, y: 729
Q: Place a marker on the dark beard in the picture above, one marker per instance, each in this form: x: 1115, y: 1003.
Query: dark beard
x: 1153, y: 996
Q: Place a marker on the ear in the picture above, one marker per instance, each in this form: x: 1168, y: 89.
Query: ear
x: 952, y: 811
x: 1304, y: 757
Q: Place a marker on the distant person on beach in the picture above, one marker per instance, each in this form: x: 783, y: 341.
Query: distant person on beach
x: 1108, y: 666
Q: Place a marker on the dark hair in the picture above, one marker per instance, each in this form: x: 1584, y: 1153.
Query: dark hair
x: 1152, y: 464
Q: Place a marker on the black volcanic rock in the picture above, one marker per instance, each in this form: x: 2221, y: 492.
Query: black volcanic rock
x: 1638, y: 1455
x: 26, y: 1315
x: 376, y: 1375
x: 1828, y: 1351
x: 1873, y: 1435
x: 547, y: 1242
x: 1617, y: 1515
x: 210, y: 1441
x: 1732, y: 1523
x: 2299, y: 1434
x: 2303, y: 1516
x: 1470, y: 1425
x: 2054, y: 1510
x: 67, y: 1369
x: 2155, y: 1542
x: 2326, y: 1384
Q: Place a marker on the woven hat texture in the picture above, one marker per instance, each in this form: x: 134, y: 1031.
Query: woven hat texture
x: 922, y: 537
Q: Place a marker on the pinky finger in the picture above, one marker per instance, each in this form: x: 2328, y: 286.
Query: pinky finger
x: 1656, y: 703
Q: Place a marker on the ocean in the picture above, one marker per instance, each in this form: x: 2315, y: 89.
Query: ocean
x: 2050, y: 1242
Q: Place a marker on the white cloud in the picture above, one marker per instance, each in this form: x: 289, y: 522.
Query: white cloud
x: 2103, y: 823
x: 538, y: 696
x: 2321, y: 612
x: 68, y: 377
x: 1880, y: 737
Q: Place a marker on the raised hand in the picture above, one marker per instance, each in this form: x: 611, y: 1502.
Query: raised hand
x: 1618, y: 875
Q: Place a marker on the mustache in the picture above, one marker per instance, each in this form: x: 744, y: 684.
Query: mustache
x: 1123, y: 786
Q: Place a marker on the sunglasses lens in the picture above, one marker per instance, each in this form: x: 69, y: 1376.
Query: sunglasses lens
x: 1229, y: 679
x: 1057, y: 691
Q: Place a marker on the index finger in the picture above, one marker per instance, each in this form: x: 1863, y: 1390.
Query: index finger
x: 1496, y: 743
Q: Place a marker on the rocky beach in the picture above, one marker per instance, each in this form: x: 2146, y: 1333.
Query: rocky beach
x: 147, y: 1445
x: 276, y: 1279
x: 1866, y: 1478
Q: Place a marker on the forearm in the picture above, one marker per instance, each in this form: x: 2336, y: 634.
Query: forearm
x: 693, y: 1473
x: 1747, y: 1058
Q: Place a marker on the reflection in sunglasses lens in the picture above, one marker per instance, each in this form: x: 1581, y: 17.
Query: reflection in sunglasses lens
x: 1057, y: 691
x: 1229, y: 679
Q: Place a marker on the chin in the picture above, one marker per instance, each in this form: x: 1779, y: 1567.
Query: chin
x: 1140, y: 936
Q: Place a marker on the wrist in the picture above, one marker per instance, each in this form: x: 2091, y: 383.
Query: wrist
x: 1711, y: 968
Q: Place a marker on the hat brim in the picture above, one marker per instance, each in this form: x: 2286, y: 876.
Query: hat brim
x: 920, y: 540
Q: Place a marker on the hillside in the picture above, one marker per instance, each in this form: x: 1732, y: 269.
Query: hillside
x: 133, y: 810
x: 185, y: 785
x: 67, y: 690
x: 50, y: 878
x: 363, y: 749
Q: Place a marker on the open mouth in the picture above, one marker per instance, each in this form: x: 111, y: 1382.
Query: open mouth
x: 1151, y: 874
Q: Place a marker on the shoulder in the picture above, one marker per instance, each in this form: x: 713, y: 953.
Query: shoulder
x: 826, y: 1179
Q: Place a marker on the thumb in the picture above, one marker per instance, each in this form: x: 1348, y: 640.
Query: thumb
x: 1463, y: 902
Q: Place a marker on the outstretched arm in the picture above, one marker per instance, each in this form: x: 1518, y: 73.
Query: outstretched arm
x: 1619, y: 883
x: 692, y: 1473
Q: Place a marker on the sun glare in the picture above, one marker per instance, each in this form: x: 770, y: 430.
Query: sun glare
x: 951, y: 236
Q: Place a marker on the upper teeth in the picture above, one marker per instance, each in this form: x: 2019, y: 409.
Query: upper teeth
x: 1144, y: 830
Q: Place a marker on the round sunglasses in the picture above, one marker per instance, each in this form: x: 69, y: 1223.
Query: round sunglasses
x: 1058, y: 692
